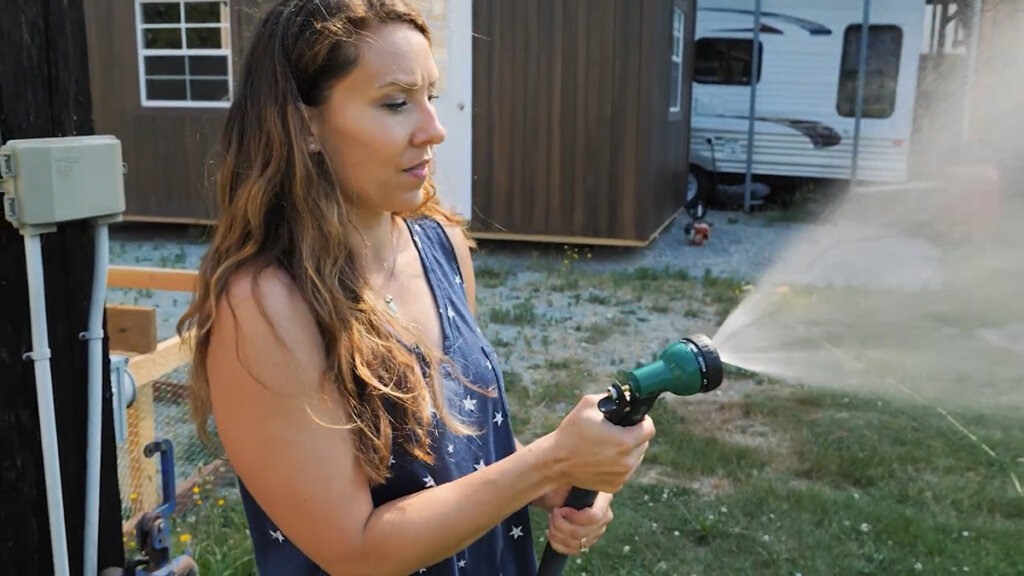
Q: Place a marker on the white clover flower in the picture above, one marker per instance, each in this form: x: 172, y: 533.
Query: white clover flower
x: 918, y: 566
x: 865, y: 527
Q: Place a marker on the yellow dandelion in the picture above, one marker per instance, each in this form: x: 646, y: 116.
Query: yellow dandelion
x: 131, y: 544
x: 199, y: 501
x: 185, y: 538
x: 133, y: 496
x: 220, y: 502
x: 195, y: 489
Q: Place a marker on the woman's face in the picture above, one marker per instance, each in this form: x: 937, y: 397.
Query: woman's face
x: 378, y: 126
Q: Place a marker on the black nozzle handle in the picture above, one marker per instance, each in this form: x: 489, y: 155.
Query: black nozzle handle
x: 552, y: 563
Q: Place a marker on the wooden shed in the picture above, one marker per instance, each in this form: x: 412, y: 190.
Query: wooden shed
x: 567, y: 119
x: 581, y: 118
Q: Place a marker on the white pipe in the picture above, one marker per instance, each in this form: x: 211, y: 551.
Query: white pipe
x: 94, y: 426
x: 40, y: 356
x: 972, y: 68
x: 755, y: 78
x: 862, y: 70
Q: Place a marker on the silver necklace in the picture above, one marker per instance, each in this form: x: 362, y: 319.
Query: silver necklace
x: 388, y: 298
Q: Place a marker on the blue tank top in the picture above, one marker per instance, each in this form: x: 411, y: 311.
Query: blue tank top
x: 507, y: 549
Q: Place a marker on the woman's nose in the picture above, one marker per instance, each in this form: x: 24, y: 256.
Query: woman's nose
x: 430, y: 131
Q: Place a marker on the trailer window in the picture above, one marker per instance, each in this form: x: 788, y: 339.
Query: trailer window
x: 184, y: 52
x: 726, y: 60
x: 678, y: 34
x: 881, y: 75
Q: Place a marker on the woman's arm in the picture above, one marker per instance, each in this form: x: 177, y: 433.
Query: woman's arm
x: 286, y: 436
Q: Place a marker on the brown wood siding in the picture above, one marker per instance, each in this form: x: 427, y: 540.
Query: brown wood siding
x: 669, y: 137
x: 169, y: 151
x: 571, y: 130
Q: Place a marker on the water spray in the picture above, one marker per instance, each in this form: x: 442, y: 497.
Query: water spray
x: 689, y: 366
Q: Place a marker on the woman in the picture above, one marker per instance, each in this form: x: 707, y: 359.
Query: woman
x: 334, y: 337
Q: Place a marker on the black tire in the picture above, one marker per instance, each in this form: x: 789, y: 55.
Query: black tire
x: 698, y: 192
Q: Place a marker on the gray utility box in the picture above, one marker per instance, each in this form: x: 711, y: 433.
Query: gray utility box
x: 46, y: 181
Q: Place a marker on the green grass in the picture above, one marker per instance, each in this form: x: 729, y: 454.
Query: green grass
x: 845, y: 487
x: 518, y: 314
x: 491, y: 277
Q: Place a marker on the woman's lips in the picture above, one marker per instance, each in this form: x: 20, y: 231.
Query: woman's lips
x: 419, y: 171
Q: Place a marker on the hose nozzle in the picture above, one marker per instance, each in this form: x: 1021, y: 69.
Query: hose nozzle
x: 689, y: 366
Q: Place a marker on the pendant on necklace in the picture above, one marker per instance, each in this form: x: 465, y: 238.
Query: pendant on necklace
x: 391, y: 304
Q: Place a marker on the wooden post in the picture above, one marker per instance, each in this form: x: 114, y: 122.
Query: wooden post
x: 44, y: 91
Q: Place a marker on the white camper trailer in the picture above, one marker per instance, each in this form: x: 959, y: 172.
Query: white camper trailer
x: 806, y: 90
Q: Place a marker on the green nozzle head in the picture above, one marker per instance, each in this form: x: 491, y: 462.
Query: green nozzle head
x: 690, y: 366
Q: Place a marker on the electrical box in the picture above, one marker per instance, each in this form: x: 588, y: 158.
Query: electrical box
x: 46, y: 181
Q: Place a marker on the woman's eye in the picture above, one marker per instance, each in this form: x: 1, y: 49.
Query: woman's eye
x: 396, y: 106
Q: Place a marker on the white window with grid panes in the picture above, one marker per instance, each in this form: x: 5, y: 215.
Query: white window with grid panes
x: 184, y: 53
x: 676, y: 87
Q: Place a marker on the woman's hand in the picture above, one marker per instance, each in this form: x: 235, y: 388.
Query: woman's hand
x: 595, y: 454
x: 572, y: 532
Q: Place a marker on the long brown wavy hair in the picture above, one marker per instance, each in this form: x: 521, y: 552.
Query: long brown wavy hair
x: 272, y: 195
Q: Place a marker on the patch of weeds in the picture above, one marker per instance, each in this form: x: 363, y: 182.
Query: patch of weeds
x: 518, y: 314
x: 660, y: 308
x: 721, y: 293
x: 648, y: 274
x: 214, y: 530
x: 180, y: 258
x: 565, y: 284
x: 492, y: 277
x: 598, y: 332
x: 597, y: 297
x: 499, y: 342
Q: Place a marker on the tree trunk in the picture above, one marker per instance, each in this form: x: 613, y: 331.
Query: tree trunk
x: 44, y: 91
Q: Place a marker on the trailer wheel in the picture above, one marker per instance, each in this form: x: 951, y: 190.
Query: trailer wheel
x: 698, y: 192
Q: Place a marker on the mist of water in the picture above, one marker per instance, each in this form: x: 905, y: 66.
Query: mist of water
x: 913, y: 288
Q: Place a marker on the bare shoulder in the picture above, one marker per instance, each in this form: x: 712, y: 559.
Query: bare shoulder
x: 264, y: 328
x: 463, y: 253
x: 285, y: 432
